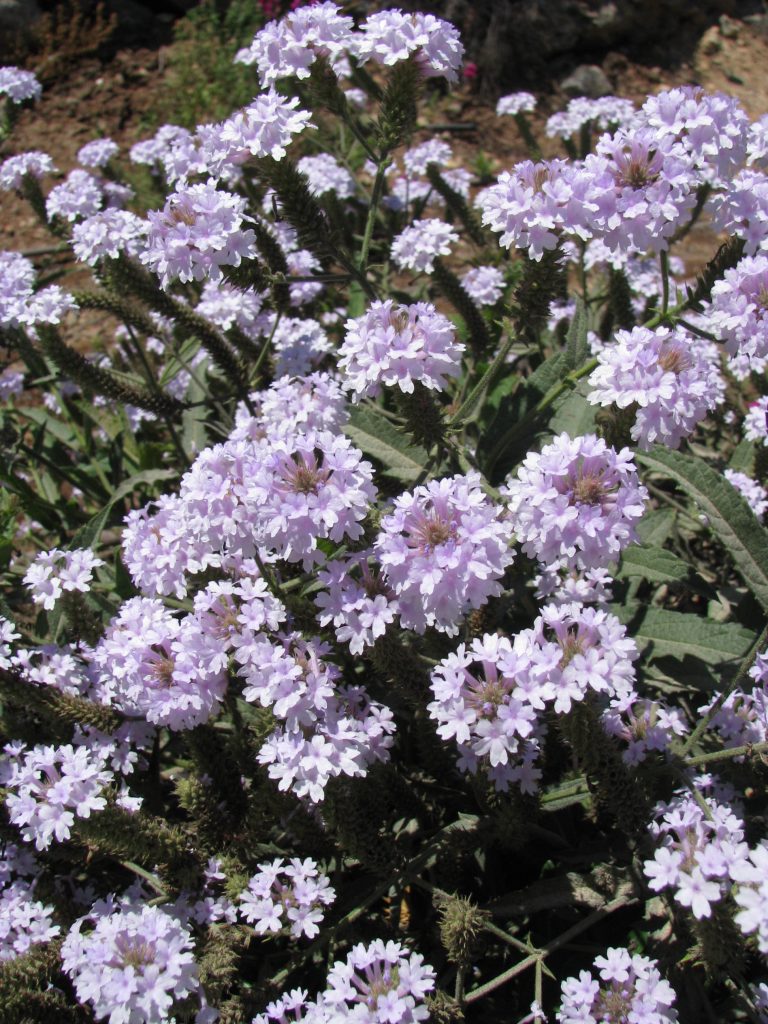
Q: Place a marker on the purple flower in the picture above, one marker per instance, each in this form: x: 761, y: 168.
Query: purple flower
x: 753, y: 493
x: 741, y: 210
x: 55, y: 571
x: 515, y: 103
x: 630, y: 989
x: 326, y: 174
x: 738, y: 315
x: 199, y: 230
x: 133, y: 965
x: 398, y: 346
x: 50, y: 786
x: 293, y: 405
x: 485, y: 285
x: 756, y: 421
x: 417, y: 159
x: 79, y: 195
x: 391, y: 36
x: 287, y: 48
x: 16, y: 168
x: 605, y: 112
x: 418, y: 245
x: 381, y: 983
x: 673, y: 380
x: 107, y: 234
x: 288, y: 896
x: 164, y: 669
x: 360, y: 607
x: 574, y: 504
x: 264, y: 128
x: 19, y: 85
x: 97, y: 153
x: 443, y: 550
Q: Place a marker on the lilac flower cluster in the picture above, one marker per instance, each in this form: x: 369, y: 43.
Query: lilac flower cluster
x: 738, y: 315
x: 55, y: 571
x: 575, y: 503
x: 378, y: 983
x: 355, y: 598
x: 50, y: 786
x: 485, y: 285
x: 287, y: 896
x: 19, y: 85
x: 443, y: 550
x: 754, y: 493
x: 133, y: 965
x: 325, y: 730
x: 24, y: 921
x: 420, y: 243
x: 106, y: 234
x: 398, y: 346
x: 644, y: 725
x: 756, y: 421
x: 603, y: 113
x: 263, y: 128
x: 326, y: 174
x: 199, y: 230
x: 672, y: 379
x: 97, y: 153
x: 164, y: 669
x: 515, y: 103
x: 391, y: 36
x: 630, y: 988
x: 79, y: 195
x: 13, y: 170
x: 699, y: 855
x: 742, y: 718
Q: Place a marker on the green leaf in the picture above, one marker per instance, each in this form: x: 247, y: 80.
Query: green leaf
x: 194, y: 429
x: 663, y: 633
x: 575, y: 416
x: 659, y: 566
x: 577, y: 342
x: 743, y: 458
x: 656, y: 526
x: 88, y: 535
x: 375, y: 436
x: 730, y: 517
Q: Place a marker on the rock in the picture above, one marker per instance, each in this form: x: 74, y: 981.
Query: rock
x: 587, y: 80
x: 729, y: 28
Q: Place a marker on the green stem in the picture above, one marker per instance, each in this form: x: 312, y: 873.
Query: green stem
x: 467, y: 407
x: 727, y: 755
x: 540, y: 955
x: 568, y: 383
x: 378, y: 189
x: 664, y: 261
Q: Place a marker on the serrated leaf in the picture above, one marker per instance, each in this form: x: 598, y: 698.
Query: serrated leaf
x: 194, y: 430
x: 659, y: 566
x: 577, y: 342
x: 730, y: 517
x: 664, y: 633
x: 375, y: 436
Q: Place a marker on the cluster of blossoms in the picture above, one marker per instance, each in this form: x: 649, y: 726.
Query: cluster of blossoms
x: 515, y: 103
x: 421, y: 243
x: 443, y: 550
x: 742, y: 718
x: 753, y: 493
x: 326, y: 730
x: 698, y: 855
x: 264, y: 128
x: 484, y: 285
x: 603, y: 113
x: 738, y: 315
x: 199, y: 230
x: 644, y: 725
x: 575, y: 503
x: 356, y: 599
x: 377, y: 982
x: 50, y: 786
x: 326, y: 174
x: 287, y: 896
x: 53, y: 572
x: 629, y: 987
x: 398, y: 346
x: 19, y: 85
x: 20, y: 304
x: 24, y: 921
x: 672, y: 381
x: 15, y: 169
x: 133, y: 965
x: 490, y: 696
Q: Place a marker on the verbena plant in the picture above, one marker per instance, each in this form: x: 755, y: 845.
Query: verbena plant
x: 383, y: 633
